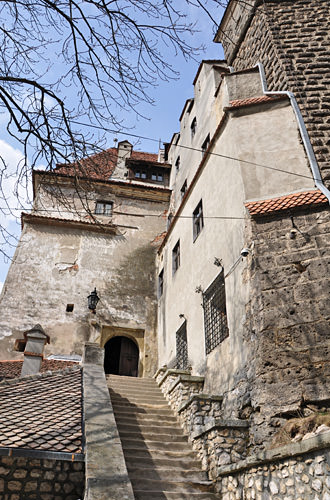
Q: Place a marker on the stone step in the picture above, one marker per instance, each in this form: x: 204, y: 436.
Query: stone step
x: 184, y: 486
x: 162, y: 473
x: 130, y: 381
x: 170, y: 495
x: 145, y: 429
x: 169, y: 455
x: 132, y: 442
x: 145, y: 419
x: 152, y: 439
x: 147, y: 461
x: 135, y: 410
x: 134, y: 400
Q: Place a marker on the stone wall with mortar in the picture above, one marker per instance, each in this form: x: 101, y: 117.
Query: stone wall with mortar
x: 288, y: 322
x: 299, y: 471
x: 40, y: 479
x: 292, y: 39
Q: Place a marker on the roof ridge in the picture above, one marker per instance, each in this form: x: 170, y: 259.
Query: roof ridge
x: 36, y: 376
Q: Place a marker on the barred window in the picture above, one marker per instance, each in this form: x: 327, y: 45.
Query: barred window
x: 215, y: 317
x: 182, y: 347
x: 103, y: 208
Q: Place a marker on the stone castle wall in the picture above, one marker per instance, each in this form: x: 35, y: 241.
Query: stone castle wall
x: 288, y: 320
x: 292, y: 39
x: 40, y: 479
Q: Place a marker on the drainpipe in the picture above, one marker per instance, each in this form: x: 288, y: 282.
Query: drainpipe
x: 302, y: 128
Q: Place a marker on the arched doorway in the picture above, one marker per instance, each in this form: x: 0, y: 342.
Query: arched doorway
x: 121, y: 357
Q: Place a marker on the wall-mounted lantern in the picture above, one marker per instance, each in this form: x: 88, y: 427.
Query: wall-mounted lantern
x: 93, y: 299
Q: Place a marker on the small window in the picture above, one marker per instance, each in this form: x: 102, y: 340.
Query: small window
x: 182, y: 348
x: 198, y: 221
x: 69, y: 308
x: 215, y: 316
x: 176, y: 257
x: 205, y: 144
x: 161, y: 283
x: 103, y: 208
x: 160, y: 177
x: 137, y: 174
x: 193, y: 127
x: 183, y: 189
x: 177, y: 163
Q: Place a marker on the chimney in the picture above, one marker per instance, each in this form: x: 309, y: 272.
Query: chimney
x: 124, y: 152
x: 36, y: 339
x: 161, y: 155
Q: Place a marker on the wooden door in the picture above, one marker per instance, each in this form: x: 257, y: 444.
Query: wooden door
x: 129, y: 358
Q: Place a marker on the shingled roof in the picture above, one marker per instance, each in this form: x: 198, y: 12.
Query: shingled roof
x: 286, y: 202
x: 42, y: 412
x: 12, y: 369
x: 101, y: 165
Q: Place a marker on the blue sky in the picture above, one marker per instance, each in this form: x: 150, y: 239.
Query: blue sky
x: 162, y: 122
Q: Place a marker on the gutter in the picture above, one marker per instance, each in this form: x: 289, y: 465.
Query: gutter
x: 302, y: 129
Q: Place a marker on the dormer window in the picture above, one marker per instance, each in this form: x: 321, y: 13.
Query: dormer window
x: 193, y: 127
x: 140, y: 174
x: 103, y: 208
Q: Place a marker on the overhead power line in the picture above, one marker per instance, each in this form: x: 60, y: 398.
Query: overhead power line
x: 227, y: 157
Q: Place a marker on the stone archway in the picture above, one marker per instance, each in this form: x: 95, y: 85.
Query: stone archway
x: 121, y: 356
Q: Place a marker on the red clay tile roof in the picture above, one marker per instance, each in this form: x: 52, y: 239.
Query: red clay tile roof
x: 42, y: 412
x: 12, y: 369
x: 238, y: 103
x: 101, y: 165
x: 273, y: 205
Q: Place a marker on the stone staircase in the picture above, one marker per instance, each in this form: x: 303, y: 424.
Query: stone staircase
x: 160, y: 462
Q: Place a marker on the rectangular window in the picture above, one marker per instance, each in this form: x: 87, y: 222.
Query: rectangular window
x: 103, y: 208
x: 183, y: 189
x: 176, y: 257
x: 182, y: 348
x: 177, y: 163
x: 193, y: 127
x: 205, y: 144
x: 161, y: 283
x: 198, y: 221
x: 215, y: 316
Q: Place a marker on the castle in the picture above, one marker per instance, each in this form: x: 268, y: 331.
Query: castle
x: 210, y: 259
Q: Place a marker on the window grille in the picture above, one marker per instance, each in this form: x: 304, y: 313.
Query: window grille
x: 103, y: 208
x: 198, y: 221
x: 215, y: 317
x: 182, y: 347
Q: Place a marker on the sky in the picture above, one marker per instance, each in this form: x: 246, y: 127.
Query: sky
x: 162, y: 121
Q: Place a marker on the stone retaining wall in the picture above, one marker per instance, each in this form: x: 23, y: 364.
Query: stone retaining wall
x: 40, y: 479
x: 199, y: 410
x: 293, y: 472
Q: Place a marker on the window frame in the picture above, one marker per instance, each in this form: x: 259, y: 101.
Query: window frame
x: 183, y: 189
x: 105, y: 211
x: 215, y: 313
x: 205, y: 145
x: 181, y: 346
x: 198, y: 220
x: 193, y: 127
x: 161, y: 283
x: 176, y: 257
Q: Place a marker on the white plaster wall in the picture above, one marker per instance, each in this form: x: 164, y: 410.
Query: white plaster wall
x: 265, y: 135
x: 203, y: 109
